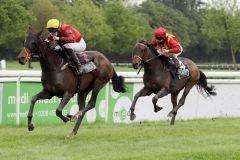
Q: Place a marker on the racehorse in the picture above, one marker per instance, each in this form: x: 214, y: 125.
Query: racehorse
x: 157, y: 79
x: 64, y: 83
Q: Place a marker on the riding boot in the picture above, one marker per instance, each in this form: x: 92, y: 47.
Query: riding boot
x: 177, y: 62
x: 76, y: 61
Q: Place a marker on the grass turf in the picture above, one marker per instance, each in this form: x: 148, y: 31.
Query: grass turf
x: 187, y: 140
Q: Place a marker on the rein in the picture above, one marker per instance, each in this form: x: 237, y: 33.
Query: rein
x: 148, y: 60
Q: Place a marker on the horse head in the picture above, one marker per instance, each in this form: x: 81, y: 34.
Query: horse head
x: 144, y: 52
x: 30, y: 46
x: 140, y: 54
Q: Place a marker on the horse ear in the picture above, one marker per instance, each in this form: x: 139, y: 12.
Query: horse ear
x: 30, y: 30
x: 40, y: 32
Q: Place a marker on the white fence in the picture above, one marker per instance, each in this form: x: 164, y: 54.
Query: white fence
x: 19, y: 76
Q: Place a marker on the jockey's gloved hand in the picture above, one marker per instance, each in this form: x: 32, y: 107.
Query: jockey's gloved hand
x: 56, y: 38
x: 46, y: 40
x: 166, y: 51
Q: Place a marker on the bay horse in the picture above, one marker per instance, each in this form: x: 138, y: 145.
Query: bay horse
x: 64, y: 83
x: 157, y: 79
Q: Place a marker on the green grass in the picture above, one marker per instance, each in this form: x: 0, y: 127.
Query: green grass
x: 187, y: 140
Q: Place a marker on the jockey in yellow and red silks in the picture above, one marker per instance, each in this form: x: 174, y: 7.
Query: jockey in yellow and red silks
x: 168, y: 44
x: 68, y: 36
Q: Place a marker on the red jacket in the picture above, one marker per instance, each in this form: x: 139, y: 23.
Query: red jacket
x: 171, y: 43
x: 67, y: 34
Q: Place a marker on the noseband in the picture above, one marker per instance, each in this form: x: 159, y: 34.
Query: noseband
x: 142, y: 59
x: 138, y: 57
x: 27, y: 54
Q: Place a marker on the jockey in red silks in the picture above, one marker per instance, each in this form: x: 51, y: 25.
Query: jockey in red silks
x: 168, y: 44
x: 71, y: 39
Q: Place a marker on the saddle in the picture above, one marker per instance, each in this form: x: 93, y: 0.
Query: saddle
x: 177, y: 74
x: 85, y: 60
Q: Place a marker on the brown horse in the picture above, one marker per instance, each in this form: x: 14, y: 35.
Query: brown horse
x: 157, y: 79
x: 64, y: 83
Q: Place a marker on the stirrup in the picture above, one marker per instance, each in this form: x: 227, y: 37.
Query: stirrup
x: 80, y: 70
x: 178, y: 65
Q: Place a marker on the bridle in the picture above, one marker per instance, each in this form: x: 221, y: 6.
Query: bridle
x: 142, y: 61
x: 27, y: 54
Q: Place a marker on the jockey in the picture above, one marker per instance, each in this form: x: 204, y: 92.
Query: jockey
x: 168, y: 44
x: 71, y: 39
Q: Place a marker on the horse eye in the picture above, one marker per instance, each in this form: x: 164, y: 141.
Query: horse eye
x: 33, y: 45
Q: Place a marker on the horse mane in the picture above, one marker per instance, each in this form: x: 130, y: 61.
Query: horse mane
x: 51, y: 49
x: 154, y: 50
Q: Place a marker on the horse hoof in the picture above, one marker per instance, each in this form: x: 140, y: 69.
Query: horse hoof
x: 69, y: 116
x: 66, y: 119
x: 30, y: 127
x: 74, y: 118
x: 170, y: 114
x: 132, y: 117
x: 156, y: 109
x: 71, y: 135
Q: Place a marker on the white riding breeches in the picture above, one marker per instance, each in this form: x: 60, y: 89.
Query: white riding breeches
x: 77, y: 47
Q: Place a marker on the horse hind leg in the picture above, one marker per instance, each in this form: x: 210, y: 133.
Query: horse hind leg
x: 181, y: 102
x: 174, y: 103
x: 91, y: 105
x: 163, y: 92
x: 41, y: 95
x: 81, y: 103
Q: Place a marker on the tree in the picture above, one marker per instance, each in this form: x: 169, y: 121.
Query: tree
x: 158, y: 14
x: 43, y: 10
x: 99, y: 2
x: 90, y: 20
x: 128, y: 27
x: 188, y: 7
x: 14, y: 20
x: 221, y: 27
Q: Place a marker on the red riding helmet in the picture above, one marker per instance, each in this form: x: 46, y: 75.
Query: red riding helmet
x: 160, y: 32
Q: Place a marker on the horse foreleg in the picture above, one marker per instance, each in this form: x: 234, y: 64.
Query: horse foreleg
x: 66, y: 97
x: 41, y: 95
x: 174, y: 103
x: 163, y: 92
x: 143, y: 92
x: 181, y: 102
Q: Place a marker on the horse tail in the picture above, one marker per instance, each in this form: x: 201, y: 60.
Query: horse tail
x: 202, y: 85
x: 118, y: 83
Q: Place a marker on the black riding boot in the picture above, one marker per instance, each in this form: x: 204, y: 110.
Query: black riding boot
x: 76, y: 61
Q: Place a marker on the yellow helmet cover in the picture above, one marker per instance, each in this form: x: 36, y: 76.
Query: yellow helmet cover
x: 53, y: 23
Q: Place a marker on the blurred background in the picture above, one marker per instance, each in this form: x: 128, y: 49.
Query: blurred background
x: 207, y: 29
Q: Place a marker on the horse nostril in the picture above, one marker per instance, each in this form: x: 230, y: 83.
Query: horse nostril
x: 135, y: 65
x: 21, y: 60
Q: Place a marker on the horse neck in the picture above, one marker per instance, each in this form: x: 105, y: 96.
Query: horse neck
x: 155, y: 65
x: 48, y: 61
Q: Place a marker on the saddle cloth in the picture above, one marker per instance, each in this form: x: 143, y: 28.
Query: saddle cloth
x: 84, y: 58
x: 87, y: 62
x: 183, y: 71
